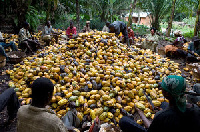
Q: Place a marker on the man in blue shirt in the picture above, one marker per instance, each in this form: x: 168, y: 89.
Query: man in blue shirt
x: 3, y: 45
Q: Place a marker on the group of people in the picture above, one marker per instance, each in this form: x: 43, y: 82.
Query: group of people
x: 176, y: 49
x: 177, y: 115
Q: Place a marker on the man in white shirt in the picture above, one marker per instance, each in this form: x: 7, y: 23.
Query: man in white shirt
x: 3, y: 45
x: 48, y: 33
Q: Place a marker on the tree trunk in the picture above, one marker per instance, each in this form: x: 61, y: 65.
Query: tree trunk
x: 171, y: 18
x: 48, y: 10
x: 197, y: 25
x: 130, y: 18
x: 77, y: 15
x: 22, y: 8
x: 156, y: 22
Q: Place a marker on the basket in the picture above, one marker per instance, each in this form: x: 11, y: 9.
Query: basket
x: 2, y: 61
x: 20, y: 56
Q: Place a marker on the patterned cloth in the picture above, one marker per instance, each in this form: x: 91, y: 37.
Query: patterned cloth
x: 24, y: 34
x: 179, y: 41
x: 176, y: 85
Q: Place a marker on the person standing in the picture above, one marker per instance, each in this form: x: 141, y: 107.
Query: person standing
x: 151, y: 41
x: 130, y: 35
x: 3, y: 45
x: 117, y: 27
x: 71, y: 30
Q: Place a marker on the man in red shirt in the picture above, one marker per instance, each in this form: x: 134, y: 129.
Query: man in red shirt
x: 71, y: 30
x: 130, y: 35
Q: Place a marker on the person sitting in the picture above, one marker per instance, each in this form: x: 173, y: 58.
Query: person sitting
x: 9, y: 98
x: 176, y: 48
x: 3, y: 45
x: 193, y: 51
x: 151, y: 41
x: 178, y: 116
x: 117, y: 27
x: 86, y: 28
x: 26, y: 42
x: 106, y: 27
x: 194, y: 46
x: 35, y: 117
x: 48, y: 32
x: 71, y: 31
x: 130, y: 35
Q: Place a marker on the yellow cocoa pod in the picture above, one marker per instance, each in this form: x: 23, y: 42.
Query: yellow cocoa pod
x: 62, y: 102
x: 99, y: 111
x: 91, y: 102
x: 161, y: 99
x: 103, y: 116
x: 110, y: 115
x: 107, y: 120
x: 87, y: 111
x: 131, y: 94
x: 81, y: 99
x: 153, y: 95
x: 101, y: 92
x: 83, y: 94
x: 106, y: 97
x: 93, y: 92
x: 80, y: 115
x: 92, y: 114
x: 128, y: 108
x: 106, y: 89
x: 140, y: 105
x: 156, y: 103
x: 119, y: 106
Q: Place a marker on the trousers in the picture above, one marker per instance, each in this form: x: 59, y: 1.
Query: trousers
x: 9, y: 98
x: 5, y: 45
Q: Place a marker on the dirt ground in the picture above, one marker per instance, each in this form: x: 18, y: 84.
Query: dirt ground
x: 4, y: 78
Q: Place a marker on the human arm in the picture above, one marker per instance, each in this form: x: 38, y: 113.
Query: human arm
x: 146, y: 122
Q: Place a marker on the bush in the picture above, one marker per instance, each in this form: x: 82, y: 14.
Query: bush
x: 140, y: 29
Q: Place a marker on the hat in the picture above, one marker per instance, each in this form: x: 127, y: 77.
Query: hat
x: 175, y: 86
x: 87, y: 21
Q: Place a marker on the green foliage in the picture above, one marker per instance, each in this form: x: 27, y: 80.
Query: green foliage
x: 157, y: 8
x: 97, y: 24
x: 33, y: 17
x: 189, y: 34
x: 140, y: 29
x: 190, y: 21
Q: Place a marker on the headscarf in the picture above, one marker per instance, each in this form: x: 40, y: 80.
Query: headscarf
x: 176, y: 85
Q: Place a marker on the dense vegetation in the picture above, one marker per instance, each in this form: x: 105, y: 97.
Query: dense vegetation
x: 60, y: 12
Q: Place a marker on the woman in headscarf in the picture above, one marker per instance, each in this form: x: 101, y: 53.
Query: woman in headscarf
x: 177, y: 117
x: 172, y: 50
